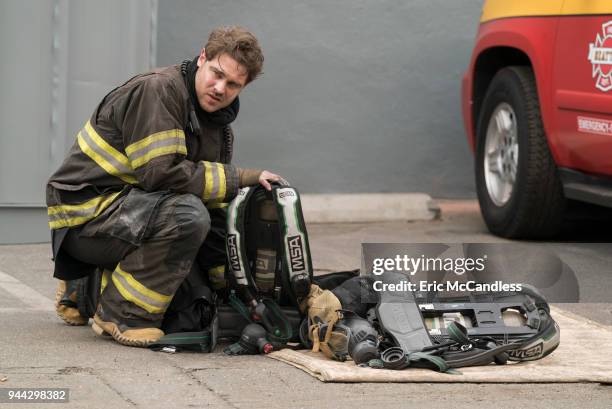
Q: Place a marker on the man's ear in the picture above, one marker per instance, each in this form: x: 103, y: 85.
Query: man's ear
x: 202, y: 57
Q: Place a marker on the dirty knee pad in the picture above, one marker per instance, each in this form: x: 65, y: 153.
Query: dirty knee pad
x: 192, y: 217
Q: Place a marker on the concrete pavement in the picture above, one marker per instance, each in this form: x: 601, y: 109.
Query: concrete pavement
x: 37, y: 350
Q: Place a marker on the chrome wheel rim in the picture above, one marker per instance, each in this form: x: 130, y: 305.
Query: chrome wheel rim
x: 501, y: 154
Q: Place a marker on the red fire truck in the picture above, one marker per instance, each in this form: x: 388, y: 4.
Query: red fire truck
x: 537, y: 108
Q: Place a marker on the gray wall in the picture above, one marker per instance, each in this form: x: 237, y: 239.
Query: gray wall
x: 357, y: 95
x: 59, y: 58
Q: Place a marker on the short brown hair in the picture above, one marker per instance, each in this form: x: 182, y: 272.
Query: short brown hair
x: 240, y: 44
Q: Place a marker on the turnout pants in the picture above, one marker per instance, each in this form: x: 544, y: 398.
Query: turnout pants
x: 147, y: 244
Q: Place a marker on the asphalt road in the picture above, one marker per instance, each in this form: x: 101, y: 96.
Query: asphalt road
x: 37, y: 350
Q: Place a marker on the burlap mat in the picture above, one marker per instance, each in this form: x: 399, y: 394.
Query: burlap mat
x: 584, y: 355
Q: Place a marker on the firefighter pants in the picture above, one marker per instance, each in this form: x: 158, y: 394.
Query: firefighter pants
x: 148, y: 244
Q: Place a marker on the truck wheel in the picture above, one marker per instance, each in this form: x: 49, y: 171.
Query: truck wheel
x: 518, y: 186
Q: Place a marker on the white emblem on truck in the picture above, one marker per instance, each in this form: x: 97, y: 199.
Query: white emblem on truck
x: 600, y: 55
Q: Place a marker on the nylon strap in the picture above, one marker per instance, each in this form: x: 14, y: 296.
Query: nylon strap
x: 235, y: 302
x: 235, y: 240
x: 295, y: 249
x: 482, y: 358
x: 436, y: 361
x: 274, y: 320
x: 199, y: 341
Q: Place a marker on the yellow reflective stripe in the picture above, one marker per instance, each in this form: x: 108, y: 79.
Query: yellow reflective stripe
x: 222, y: 181
x: 154, y: 153
x: 142, y: 289
x: 147, y: 297
x: 128, y: 296
x: 96, y: 205
x: 208, y: 180
x: 75, y: 221
x: 68, y: 208
x: 119, y: 157
x: 217, y: 277
x: 156, y: 137
x: 96, y: 157
x: 157, y: 144
x: 104, y: 282
x: 215, y: 182
x: 216, y: 205
x: 81, y: 213
x: 217, y: 272
x: 101, y: 144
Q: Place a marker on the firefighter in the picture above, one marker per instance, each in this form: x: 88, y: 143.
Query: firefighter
x: 148, y: 172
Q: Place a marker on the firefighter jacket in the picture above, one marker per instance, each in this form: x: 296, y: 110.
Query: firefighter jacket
x: 140, y: 136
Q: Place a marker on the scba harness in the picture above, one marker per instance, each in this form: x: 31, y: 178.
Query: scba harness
x: 269, y: 265
x: 267, y: 245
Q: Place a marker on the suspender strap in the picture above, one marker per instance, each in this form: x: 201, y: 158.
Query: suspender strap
x: 297, y: 265
x: 236, y: 241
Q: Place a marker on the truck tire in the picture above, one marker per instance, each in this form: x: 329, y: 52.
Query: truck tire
x: 517, y: 182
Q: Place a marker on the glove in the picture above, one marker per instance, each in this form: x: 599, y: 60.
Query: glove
x: 322, y: 307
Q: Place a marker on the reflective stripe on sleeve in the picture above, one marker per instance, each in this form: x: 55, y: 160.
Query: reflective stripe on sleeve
x: 74, y: 215
x: 161, y: 143
x: 104, y: 155
x: 222, y: 181
x: 135, y: 292
x: 215, y: 182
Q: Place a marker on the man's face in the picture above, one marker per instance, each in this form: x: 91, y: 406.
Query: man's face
x: 218, y: 81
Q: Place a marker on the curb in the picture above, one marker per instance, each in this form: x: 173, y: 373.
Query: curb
x: 368, y: 207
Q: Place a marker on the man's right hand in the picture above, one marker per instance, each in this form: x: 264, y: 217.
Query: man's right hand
x: 266, y: 177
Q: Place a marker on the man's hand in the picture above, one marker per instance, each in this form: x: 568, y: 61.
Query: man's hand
x: 266, y: 177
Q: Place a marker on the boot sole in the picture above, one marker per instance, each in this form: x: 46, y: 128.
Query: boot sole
x: 112, y: 330
x: 69, y: 321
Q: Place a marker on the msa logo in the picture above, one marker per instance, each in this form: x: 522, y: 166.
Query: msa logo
x: 296, y: 253
x: 232, y: 252
x: 527, y: 354
x: 286, y: 193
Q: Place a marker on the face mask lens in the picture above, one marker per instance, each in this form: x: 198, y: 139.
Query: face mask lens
x: 339, y: 343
